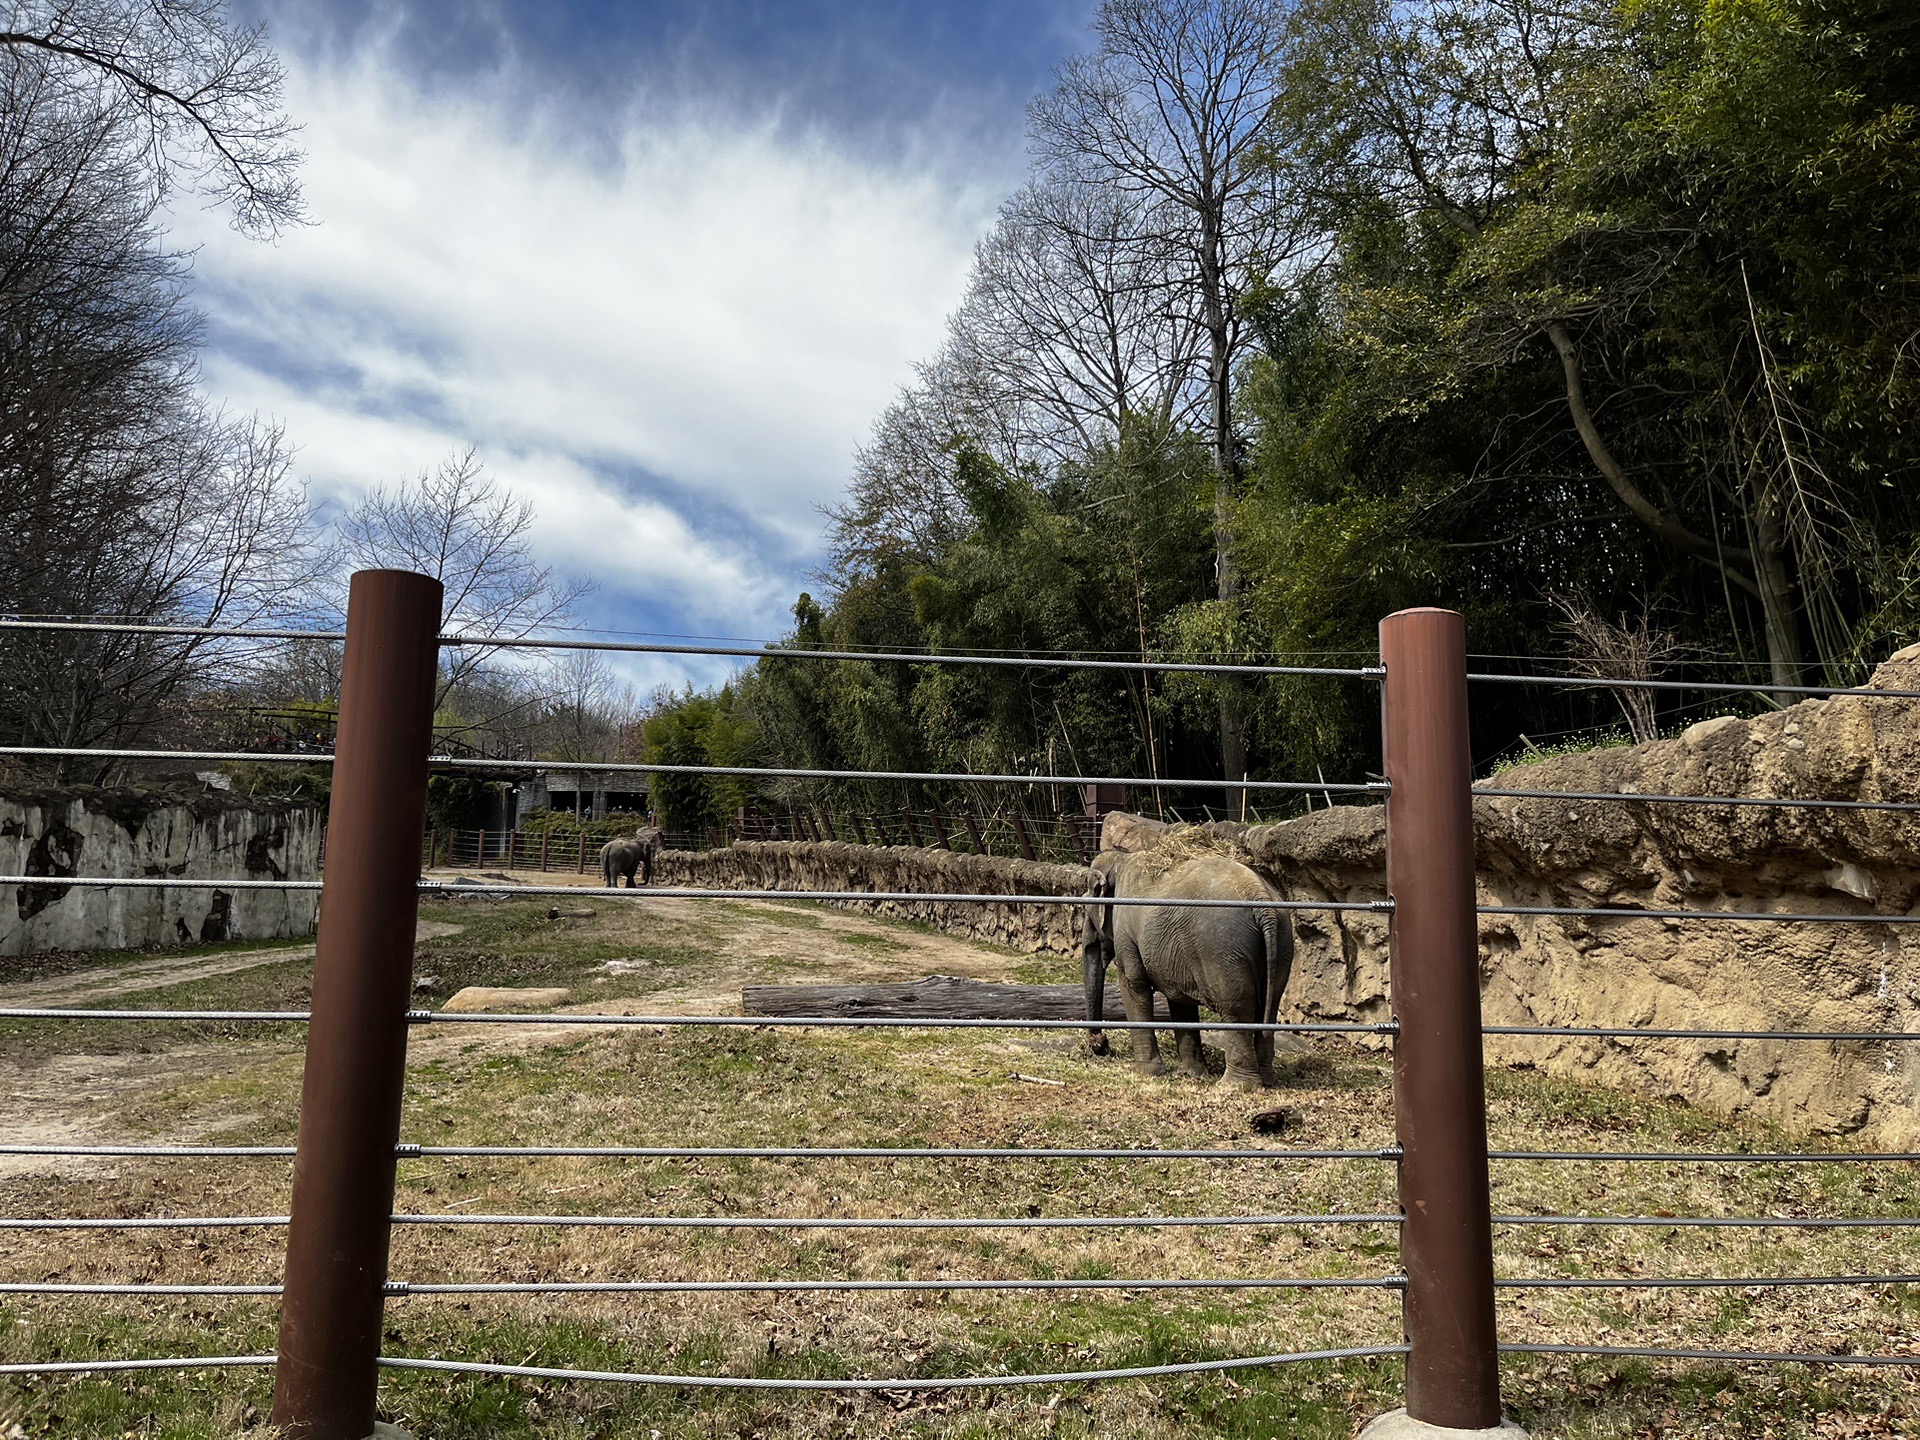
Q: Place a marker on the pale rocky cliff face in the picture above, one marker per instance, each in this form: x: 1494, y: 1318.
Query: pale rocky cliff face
x: 1667, y: 973
x: 215, y: 837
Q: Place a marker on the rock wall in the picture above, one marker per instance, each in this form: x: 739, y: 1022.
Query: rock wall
x: 152, y: 832
x: 1629, y: 855
x: 837, y: 865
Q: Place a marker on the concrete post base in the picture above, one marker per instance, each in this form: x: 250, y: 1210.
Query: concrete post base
x: 1398, y: 1425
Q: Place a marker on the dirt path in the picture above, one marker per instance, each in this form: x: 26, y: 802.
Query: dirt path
x: 84, y: 987
x: 80, y: 1099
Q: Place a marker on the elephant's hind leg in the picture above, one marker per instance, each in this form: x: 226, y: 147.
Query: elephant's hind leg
x: 1244, y: 1070
x: 1186, y: 1043
x: 1138, y: 999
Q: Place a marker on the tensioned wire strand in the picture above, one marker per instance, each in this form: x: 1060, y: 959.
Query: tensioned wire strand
x: 771, y: 652
x: 449, y: 762
x: 1611, y: 912
x: 409, y: 1289
x: 894, y: 1022
x: 178, y: 1362
x: 739, y: 652
x: 755, y: 1022
x: 1066, y: 1222
x: 1761, y: 801
x: 1743, y: 1357
x: 1371, y: 787
x: 407, y: 1151
x: 577, y: 892
x: 954, y: 1382
x: 919, y: 897
x: 711, y: 1152
x: 725, y: 1382
x: 725, y: 1222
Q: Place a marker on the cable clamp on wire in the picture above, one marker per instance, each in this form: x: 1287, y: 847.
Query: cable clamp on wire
x: 419, y: 1017
x: 1385, y: 907
x: 395, y: 1287
x: 1377, y: 672
x: 1398, y: 1282
x: 406, y: 1150
x: 1392, y: 1152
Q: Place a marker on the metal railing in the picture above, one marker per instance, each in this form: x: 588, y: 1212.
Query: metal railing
x: 342, y: 1212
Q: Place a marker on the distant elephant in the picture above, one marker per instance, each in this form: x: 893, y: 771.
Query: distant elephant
x: 1235, y: 961
x: 625, y: 854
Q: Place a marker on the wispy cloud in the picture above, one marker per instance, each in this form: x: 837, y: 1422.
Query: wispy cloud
x: 671, y: 343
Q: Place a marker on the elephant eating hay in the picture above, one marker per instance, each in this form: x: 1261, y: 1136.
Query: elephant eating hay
x: 1235, y: 961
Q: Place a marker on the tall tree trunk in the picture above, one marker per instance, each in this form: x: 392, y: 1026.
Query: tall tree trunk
x: 1772, y: 569
x: 1226, y: 489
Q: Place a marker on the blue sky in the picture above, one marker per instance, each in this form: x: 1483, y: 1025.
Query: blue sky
x: 662, y: 263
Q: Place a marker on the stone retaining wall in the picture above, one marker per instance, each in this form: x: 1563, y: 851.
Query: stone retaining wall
x: 165, y: 832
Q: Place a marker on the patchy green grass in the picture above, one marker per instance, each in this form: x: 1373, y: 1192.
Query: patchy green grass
x: 669, y: 1086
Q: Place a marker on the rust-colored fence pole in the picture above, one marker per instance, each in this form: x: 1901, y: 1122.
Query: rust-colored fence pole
x: 336, y: 1266
x: 1446, y: 1240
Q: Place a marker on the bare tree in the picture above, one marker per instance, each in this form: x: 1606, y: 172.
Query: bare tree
x: 1633, y: 648
x: 473, y: 536
x: 195, y: 102
x: 1171, y: 109
x: 122, y: 492
x: 1079, y: 320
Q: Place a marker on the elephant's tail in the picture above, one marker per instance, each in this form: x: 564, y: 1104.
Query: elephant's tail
x: 1277, y: 926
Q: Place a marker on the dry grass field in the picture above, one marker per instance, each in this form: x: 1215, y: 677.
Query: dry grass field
x: 488, y: 1085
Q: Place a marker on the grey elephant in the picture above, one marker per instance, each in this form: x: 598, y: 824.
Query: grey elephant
x: 624, y: 854
x: 1235, y: 961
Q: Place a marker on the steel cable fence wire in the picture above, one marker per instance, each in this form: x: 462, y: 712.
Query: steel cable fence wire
x: 1714, y: 1157
x: 407, y: 1151
x: 1736, y: 801
x: 767, y: 1022
x: 57, y: 1012
x: 725, y: 1222
x: 1622, y: 912
x: 917, y: 897
x: 1747, y: 1357
x: 1726, y: 1222
x: 951, y: 1382
x: 747, y: 652
x: 178, y: 1362
x: 452, y: 762
x: 1712, y: 687
x: 1631, y: 1032
x: 662, y: 892
x: 1691, y: 1282
x: 404, y: 1289
x: 903, y: 1022
x: 890, y: 1222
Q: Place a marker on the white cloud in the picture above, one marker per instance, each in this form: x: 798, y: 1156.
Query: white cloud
x: 673, y: 355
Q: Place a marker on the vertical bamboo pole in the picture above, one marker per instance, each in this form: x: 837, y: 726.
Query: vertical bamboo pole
x: 1446, y: 1240
x: 336, y: 1268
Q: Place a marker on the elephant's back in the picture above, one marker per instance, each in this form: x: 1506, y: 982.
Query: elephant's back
x: 1215, y: 877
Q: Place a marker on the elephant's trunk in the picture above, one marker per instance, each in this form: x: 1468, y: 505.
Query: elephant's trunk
x: 1094, y: 954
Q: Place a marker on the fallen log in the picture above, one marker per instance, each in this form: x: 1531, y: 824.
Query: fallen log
x: 938, y: 997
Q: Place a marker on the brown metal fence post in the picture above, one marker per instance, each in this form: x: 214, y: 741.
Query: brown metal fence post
x: 336, y: 1267
x: 1446, y: 1239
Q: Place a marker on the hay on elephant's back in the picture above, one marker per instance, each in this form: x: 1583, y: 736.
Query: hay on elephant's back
x: 1178, y: 844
